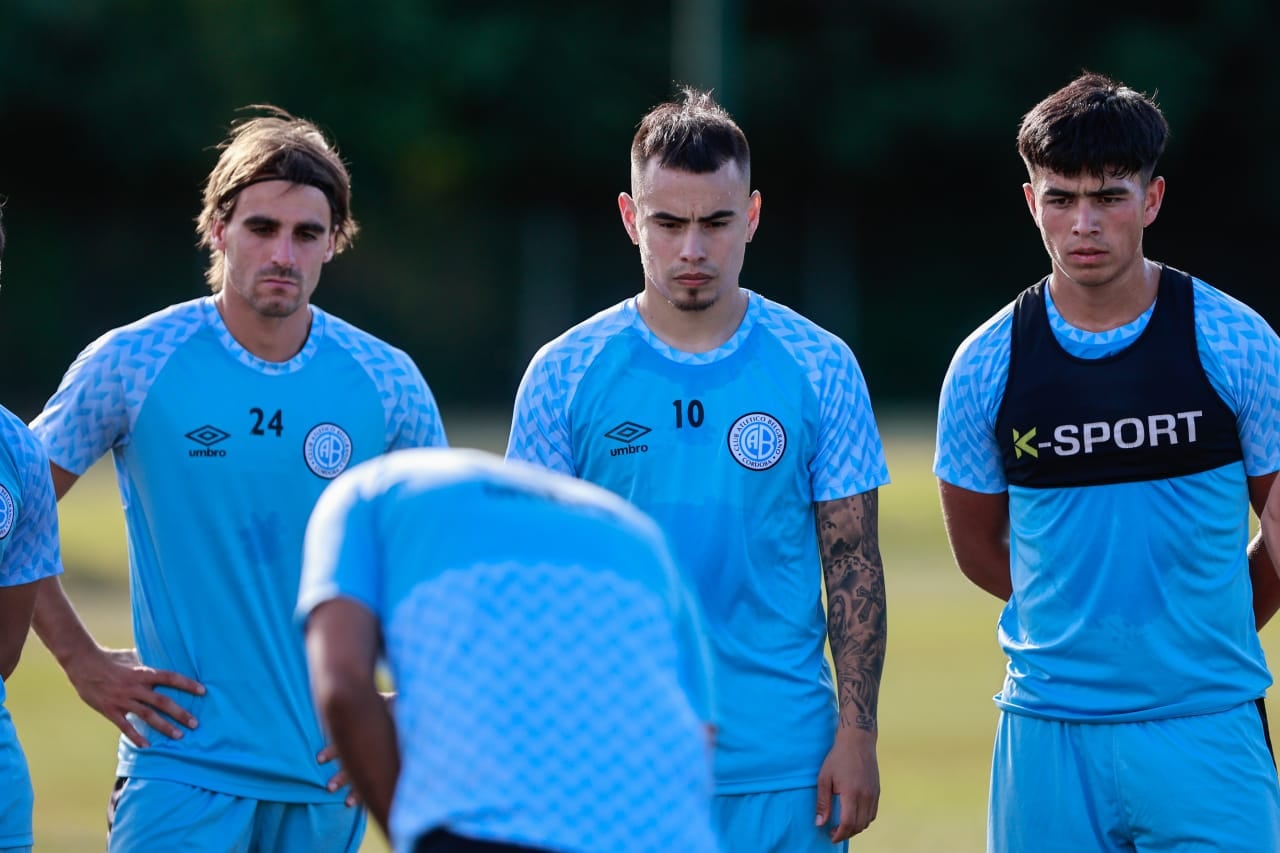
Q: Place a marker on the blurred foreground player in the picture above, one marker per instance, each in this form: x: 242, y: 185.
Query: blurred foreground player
x: 551, y: 677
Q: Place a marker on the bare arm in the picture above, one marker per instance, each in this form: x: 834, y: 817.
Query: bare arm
x: 1262, y: 571
x: 111, y: 681
x: 342, y: 646
x: 849, y: 542
x: 978, y: 529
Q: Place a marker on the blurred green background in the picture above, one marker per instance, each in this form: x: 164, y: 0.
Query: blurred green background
x: 488, y: 141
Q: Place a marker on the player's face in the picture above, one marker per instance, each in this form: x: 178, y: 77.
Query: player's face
x: 275, y: 242
x: 692, y: 231
x: 1093, y: 228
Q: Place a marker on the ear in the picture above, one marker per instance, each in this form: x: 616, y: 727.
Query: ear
x: 627, y: 207
x: 753, y: 214
x: 331, y: 249
x: 1029, y: 192
x: 1154, y: 197
x: 218, y: 235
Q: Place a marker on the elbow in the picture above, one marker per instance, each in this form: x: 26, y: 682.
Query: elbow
x: 9, y: 657
x: 339, y: 699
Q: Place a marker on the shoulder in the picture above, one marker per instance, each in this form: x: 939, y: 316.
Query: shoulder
x: 17, y: 440
x: 797, y: 333
x: 370, y: 351
x: 582, y: 342
x: 156, y: 334
x: 987, y: 345
x: 1219, y: 314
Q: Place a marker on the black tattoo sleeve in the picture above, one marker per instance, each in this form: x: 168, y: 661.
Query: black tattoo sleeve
x: 856, y: 618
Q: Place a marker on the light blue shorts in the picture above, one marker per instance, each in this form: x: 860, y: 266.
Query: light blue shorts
x: 16, y: 796
x: 154, y: 814
x: 1202, y: 783
x: 774, y: 822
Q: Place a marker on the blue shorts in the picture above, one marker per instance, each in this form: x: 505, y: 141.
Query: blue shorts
x: 1206, y: 782
x: 155, y: 814
x: 774, y: 822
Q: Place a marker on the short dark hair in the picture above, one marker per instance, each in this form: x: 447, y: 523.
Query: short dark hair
x: 277, y: 146
x: 694, y: 134
x: 1097, y: 126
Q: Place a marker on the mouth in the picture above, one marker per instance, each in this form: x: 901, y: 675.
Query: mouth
x: 693, y: 279
x: 1087, y: 256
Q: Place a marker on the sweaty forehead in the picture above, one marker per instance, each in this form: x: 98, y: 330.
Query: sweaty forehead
x: 689, y: 193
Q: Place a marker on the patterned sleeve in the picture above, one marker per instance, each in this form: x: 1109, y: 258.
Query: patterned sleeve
x: 340, y: 553
x: 539, y: 428
x: 1241, y: 356
x: 29, y: 547
x: 415, y: 417
x: 89, y: 413
x: 850, y: 456
x: 967, y: 453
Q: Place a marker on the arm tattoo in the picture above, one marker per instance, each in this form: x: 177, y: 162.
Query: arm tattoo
x: 856, y: 620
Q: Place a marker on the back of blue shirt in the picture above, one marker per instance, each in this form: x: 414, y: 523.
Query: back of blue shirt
x: 728, y: 450
x: 549, y: 664
x: 220, y: 457
x: 28, y: 552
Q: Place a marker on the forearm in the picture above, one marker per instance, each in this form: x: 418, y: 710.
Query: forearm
x: 58, y: 625
x: 857, y: 625
x: 361, y: 727
x: 989, y: 571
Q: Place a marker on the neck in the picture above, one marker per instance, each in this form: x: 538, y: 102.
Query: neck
x: 275, y: 339
x: 692, y: 331
x: 1099, y: 308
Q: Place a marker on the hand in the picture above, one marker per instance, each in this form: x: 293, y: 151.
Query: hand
x: 851, y: 771
x: 330, y: 752
x: 114, y: 683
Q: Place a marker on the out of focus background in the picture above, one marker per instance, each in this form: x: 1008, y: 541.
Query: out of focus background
x: 488, y: 141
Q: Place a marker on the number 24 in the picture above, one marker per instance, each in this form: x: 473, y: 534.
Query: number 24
x: 276, y: 424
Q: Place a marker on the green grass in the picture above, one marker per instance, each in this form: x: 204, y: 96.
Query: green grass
x: 936, y: 715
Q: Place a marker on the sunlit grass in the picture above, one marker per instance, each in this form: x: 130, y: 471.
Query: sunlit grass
x: 936, y: 715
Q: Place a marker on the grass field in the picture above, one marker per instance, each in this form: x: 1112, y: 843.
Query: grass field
x: 936, y: 715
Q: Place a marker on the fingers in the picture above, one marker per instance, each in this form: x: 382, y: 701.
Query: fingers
x: 856, y: 814
x: 163, y: 677
x: 126, y: 728
x: 340, y: 779
x: 822, y: 811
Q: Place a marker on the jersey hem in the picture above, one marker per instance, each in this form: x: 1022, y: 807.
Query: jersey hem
x: 1146, y: 715
x: 221, y: 783
x: 768, y: 784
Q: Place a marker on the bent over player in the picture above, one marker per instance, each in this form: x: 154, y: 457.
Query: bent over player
x: 551, y: 676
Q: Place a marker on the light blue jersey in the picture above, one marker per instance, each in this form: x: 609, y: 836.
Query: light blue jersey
x: 220, y: 457
x: 28, y: 552
x: 728, y: 450
x: 1128, y: 604
x: 551, y: 674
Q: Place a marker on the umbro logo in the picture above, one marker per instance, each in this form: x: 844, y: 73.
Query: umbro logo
x: 207, y: 436
x: 627, y: 434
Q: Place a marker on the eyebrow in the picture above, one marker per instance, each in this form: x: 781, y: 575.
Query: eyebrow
x: 671, y: 217
x: 1058, y: 192
x: 267, y: 221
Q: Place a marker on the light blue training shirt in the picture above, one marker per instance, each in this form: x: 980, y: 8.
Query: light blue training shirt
x: 728, y: 450
x: 220, y: 457
x: 551, y: 673
x: 1124, y: 606
x: 28, y: 552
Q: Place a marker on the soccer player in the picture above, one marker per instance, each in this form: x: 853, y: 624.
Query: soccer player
x: 1099, y: 443
x: 552, y: 681
x: 29, y: 554
x: 746, y: 431
x: 226, y: 416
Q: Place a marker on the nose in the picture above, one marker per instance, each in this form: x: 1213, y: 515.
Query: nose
x: 1086, y: 221
x: 693, y: 247
x: 282, y: 251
